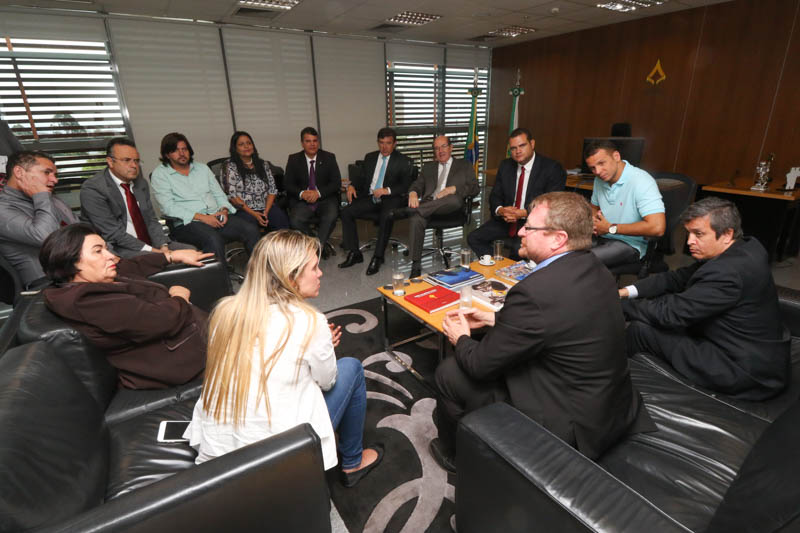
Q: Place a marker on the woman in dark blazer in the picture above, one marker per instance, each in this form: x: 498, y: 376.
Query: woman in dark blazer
x: 153, y: 335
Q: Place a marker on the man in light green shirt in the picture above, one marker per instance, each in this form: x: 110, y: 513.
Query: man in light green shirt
x: 188, y: 192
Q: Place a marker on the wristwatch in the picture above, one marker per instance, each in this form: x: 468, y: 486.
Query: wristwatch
x: 612, y: 229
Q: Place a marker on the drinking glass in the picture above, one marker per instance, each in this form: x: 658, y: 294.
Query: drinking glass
x: 465, y: 299
x: 466, y: 257
x: 498, y: 250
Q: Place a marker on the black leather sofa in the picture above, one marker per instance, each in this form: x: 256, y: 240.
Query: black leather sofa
x: 715, y: 464
x: 77, y: 454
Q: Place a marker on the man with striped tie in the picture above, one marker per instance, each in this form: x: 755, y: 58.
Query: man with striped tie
x: 381, y: 189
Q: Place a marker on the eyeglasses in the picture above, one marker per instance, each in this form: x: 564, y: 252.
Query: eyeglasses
x: 543, y: 228
x: 125, y: 160
x: 440, y: 148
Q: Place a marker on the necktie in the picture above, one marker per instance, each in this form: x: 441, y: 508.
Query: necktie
x: 136, y: 215
x: 512, y: 228
x: 379, y: 183
x: 312, y: 182
x: 441, y: 180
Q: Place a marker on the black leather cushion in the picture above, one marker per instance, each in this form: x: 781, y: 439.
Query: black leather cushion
x: 767, y: 410
x: 131, y: 403
x: 87, y: 362
x: 789, y: 303
x: 684, y: 468
x: 207, y: 284
x: 54, y: 444
x: 137, y: 459
x: 765, y: 496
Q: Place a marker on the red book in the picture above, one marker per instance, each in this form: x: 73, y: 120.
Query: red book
x: 433, y: 299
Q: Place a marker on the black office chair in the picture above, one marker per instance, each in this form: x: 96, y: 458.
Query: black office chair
x: 10, y: 283
x: 621, y: 129
x: 677, y: 191
x: 356, y: 170
x: 439, y: 223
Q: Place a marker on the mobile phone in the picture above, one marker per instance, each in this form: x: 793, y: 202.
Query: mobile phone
x: 221, y: 218
x: 172, y: 430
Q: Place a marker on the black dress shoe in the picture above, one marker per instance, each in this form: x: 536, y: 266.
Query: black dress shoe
x: 352, y: 259
x: 374, y: 265
x: 448, y: 462
x: 325, y: 253
x: 350, y: 479
x: 416, y: 270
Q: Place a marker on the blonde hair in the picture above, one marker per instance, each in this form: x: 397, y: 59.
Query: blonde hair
x: 239, y: 323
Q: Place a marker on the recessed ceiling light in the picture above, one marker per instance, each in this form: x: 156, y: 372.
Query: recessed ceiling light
x: 414, y: 18
x: 269, y: 4
x: 624, y: 6
x: 511, y: 31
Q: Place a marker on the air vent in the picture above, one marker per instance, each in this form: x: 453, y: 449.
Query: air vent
x: 388, y: 28
x: 257, y: 13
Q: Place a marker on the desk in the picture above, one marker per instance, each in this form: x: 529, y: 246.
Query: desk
x: 770, y: 216
x: 584, y: 182
x: 432, y: 321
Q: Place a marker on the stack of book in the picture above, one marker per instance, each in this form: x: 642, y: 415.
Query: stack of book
x: 454, y: 278
x: 433, y: 300
x: 491, y: 293
x: 516, y: 272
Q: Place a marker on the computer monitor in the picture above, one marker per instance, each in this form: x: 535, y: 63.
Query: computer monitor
x: 630, y: 148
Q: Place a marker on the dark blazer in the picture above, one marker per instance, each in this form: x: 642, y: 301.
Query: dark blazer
x: 154, y: 340
x: 461, y: 176
x: 295, y: 179
x: 399, y: 171
x: 103, y: 207
x: 730, y: 302
x: 547, y: 175
x: 558, y: 344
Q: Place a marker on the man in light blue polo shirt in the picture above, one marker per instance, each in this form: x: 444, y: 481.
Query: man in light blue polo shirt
x: 626, y: 203
x: 188, y: 191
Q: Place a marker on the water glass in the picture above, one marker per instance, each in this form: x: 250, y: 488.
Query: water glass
x: 498, y: 250
x: 398, y: 283
x: 465, y: 299
x: 466, y: 257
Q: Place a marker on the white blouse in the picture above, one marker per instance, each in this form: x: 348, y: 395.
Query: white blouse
x: 291, y: 402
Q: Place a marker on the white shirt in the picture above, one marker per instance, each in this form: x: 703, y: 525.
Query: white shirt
x: 291, y: 402
x: 446, y: 165
x: 377, y: 173
x: 528, y: 167
x: 129, y: 229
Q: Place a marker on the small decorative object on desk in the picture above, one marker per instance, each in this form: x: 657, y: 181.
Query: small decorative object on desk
x: 491, y: 293
x: 762, y: 174
x: 516, y: 272
x: 791, y: 178
x: 433, y: 299
x: 453, y: 278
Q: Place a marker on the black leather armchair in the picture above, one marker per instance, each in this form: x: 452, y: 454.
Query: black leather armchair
x: 63, y: 467
x: 705, y: 463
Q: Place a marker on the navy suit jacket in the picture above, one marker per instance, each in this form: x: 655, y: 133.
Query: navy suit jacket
x: 295, y: 179
x: 397, y: 177
x: 547, y: 175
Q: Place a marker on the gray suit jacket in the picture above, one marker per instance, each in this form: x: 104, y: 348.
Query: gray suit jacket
x: 103, y: 207
x: 461, y: 175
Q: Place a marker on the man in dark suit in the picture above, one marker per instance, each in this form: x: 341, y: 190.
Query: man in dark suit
x: 116, y: 201
x: 440, y: 189
x: 312, y: 181
x: 556, y: 349
x: 717, y: 321
x: 519, y: 180
x: 382, y: 188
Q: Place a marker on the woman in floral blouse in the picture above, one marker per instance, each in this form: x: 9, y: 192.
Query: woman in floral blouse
x: 250, y: 186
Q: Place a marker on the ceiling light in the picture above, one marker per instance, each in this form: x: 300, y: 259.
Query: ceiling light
x: 269, y: 4
x: 624, y: 6
x: 414, y: 18
x: 511, y: 31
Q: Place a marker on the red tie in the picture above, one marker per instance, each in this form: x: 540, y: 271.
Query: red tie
x: 512, y: 228
x: 136, y: 215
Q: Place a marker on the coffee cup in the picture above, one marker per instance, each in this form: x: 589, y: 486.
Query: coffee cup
x: 487, y: 259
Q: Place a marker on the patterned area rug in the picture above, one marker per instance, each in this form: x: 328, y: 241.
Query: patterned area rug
x: 408, y: 492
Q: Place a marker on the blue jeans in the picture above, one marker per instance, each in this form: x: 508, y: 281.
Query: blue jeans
x: 347, y: 407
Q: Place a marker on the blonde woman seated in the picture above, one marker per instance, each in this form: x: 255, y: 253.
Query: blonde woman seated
x: 271, y: 364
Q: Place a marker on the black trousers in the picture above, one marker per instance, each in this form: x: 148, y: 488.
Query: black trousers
x: 211, y: 239
x: 613, y: 252
x: 362, y: 206
x: 697, y: 359
x: 459, y: 394
x: 481, y: 240
x: 301, y: 216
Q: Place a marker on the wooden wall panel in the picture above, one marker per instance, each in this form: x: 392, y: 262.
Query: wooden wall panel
x: 708, y: 118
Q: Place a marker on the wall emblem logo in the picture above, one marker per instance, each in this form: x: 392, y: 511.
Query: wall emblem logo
x: 656, y: 75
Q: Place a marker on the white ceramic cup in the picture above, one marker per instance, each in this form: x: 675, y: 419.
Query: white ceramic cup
x: 486, y: 259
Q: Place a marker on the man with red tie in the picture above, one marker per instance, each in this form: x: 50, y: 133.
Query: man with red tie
x: 520, y: 179
x: 116, y: 201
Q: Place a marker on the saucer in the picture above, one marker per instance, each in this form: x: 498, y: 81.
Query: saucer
x: 487, y: 263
